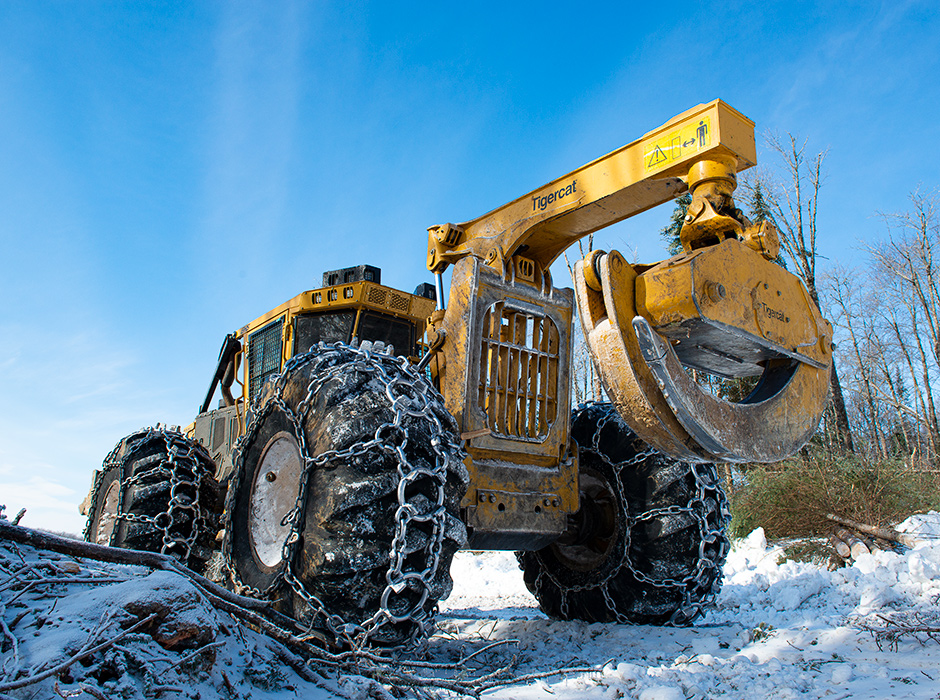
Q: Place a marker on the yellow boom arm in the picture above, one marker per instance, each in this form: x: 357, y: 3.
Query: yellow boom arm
x: 641, y: 175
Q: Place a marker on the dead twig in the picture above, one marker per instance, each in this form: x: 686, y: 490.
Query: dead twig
x: 295, y: 662
x: 59, y: 668
x: 14, y: 647
x: 194, y: 654
x: 16, y: 575
x: 544, y: 674
x: 93, y: 691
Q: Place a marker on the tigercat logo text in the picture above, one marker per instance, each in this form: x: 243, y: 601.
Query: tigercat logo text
x: 539, y: 203
x: 773, y: 313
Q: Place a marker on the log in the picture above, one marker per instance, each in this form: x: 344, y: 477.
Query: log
x: 841, y: 546
x: 859, y: 548
x: 884, y: 533
x: 857, y: 545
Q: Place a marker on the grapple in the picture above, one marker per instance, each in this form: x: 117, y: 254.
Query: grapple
x: 721, y: 310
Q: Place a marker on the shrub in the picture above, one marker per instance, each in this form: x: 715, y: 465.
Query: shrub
x: 791, y: 499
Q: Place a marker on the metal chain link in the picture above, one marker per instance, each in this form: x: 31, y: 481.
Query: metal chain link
x: 410, y: 396
x: 184, y: 464
x: 708, y: 507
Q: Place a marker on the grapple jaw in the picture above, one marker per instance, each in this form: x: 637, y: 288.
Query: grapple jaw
x: 724, y: 310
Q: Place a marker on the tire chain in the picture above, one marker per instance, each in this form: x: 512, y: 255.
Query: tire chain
x: 184, y: 472
x: 411, y: 397
x: 707, y: 489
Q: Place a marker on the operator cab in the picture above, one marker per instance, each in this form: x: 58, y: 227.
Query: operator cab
x: 351, y: 307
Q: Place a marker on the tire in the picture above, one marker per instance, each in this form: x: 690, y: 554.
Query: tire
x: 337, y: 515
x: 649, y: 541
x: 157, y: 492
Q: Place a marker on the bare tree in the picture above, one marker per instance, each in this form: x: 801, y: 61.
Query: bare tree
x: 843, y: 292
x: 907, y: 260
x: 586, y: 380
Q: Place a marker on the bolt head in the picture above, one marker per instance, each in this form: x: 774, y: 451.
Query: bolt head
x: 270, y: 476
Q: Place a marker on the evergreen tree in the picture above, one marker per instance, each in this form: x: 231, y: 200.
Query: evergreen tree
x: 670, y: 233
x: 760, y: 209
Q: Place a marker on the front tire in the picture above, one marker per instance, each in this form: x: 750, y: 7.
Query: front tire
x: 649, y: 541
x: 156, y: 492
x: 344, y: 504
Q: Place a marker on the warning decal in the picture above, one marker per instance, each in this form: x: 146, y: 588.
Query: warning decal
x: 689, y: 138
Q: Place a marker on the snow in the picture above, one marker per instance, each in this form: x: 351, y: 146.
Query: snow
x: 778, y: 629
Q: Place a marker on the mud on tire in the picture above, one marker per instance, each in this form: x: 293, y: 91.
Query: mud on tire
x: 314, y: 519
x: 649, y: 541
x: 156, y: 492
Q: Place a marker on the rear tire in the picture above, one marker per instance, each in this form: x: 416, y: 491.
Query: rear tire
x: 649, y: 541
x: 319, y: 470
x: 157, y: 493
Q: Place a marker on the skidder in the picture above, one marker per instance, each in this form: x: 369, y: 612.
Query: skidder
x: 365, y: 434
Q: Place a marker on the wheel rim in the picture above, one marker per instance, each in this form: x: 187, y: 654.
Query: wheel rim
x: 108, y: 518
x: 592, y: 531
x: 273, y: 495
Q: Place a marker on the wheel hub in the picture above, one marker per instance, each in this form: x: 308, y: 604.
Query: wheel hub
x: 592, y: 531
x: 273, y: 495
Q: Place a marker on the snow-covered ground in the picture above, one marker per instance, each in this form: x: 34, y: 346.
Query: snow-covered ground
x: 779, y: 629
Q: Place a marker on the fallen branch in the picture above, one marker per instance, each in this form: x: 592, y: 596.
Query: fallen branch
x: 131, y: 557
x: 897, y: 627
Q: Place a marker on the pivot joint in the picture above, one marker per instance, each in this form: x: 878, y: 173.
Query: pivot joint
x: 712, y: 216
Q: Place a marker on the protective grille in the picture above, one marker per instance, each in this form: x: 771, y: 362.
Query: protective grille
x: 264, y: 354
x: 519, y: 372
x: 376, y: 295
x: 399, y: 303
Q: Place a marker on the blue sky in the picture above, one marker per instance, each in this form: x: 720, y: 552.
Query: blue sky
x: 169, y: 171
